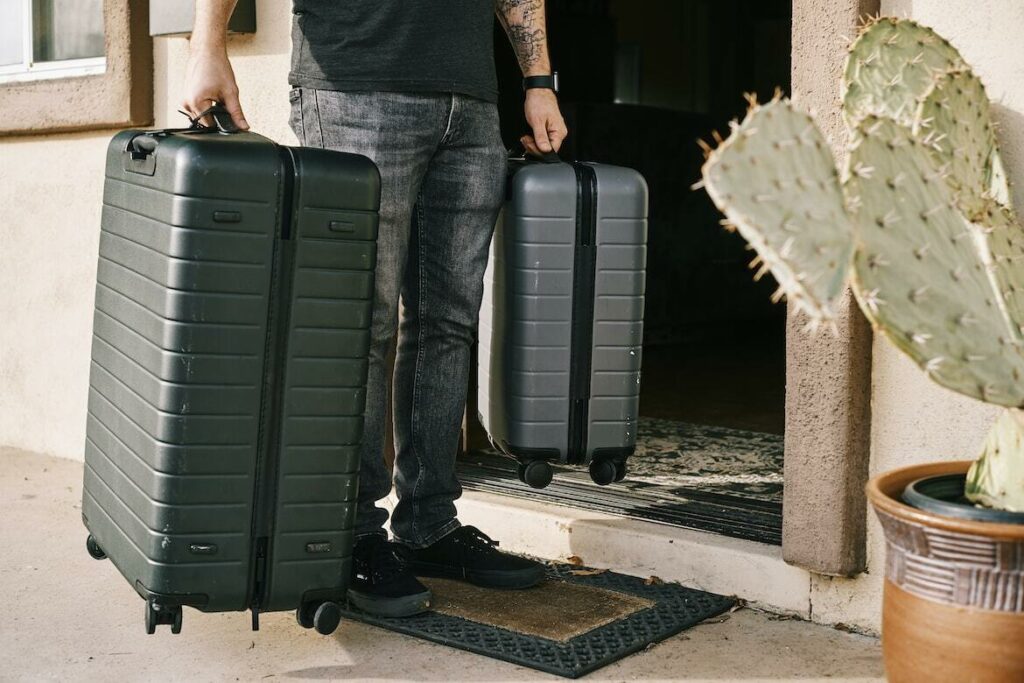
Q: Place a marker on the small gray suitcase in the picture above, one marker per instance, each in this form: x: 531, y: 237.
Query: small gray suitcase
x: 561, y: 325
x: 228, y: 375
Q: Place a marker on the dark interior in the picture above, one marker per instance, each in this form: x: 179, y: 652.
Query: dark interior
x: 641, y: 81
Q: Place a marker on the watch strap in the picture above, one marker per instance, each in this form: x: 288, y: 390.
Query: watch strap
x: 548, y: 81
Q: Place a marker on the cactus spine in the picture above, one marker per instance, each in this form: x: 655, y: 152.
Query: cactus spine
x: 919, y: 223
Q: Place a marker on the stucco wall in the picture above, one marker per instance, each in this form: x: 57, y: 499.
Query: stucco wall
x: 50, y: 189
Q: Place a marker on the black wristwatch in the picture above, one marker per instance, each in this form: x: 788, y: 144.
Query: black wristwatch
x: 549, y: 82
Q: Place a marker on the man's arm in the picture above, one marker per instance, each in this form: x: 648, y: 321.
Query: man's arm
x: 208, y: 76
x: 524, y: 22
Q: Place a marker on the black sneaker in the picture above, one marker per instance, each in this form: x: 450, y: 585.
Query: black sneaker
x: 468, y: 553
x: 382, y: 582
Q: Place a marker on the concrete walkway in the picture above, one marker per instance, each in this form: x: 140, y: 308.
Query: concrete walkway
x: 64, y: 616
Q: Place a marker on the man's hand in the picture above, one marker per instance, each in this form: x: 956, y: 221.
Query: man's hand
x: 208, y: 79
x: 524, y: 22
x: 208, y: 76
x: 545, y: 118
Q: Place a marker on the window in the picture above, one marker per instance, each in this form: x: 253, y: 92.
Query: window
x: 50, y: 39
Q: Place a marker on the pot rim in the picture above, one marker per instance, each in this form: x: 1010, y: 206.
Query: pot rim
x: 885, y: 490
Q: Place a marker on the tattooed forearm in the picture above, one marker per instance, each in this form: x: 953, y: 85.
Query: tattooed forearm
x: 524, y: 23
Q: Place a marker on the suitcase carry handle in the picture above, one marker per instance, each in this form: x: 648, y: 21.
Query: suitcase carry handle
x: 519, y: 154
x: 139, y: 154
x: 221, y: 119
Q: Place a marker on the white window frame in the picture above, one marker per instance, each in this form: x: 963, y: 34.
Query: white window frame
x: 30, y: 70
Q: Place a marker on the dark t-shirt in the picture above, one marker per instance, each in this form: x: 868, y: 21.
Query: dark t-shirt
x: 395, y: 45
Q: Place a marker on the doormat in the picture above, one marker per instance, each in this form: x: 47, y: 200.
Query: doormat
x: 576, y: 622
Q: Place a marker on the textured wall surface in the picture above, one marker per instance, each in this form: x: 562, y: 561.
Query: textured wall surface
x: 50, y: 192
x: 827, y: 376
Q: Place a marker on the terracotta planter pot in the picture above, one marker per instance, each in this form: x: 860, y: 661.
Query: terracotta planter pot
x: 954, y: 589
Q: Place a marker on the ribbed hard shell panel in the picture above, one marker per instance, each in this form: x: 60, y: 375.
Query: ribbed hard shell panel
x: 331, y: 304
x: 526, y: 316
x: 525, y: 354
x: 177, y: 360
x: 619, y: 282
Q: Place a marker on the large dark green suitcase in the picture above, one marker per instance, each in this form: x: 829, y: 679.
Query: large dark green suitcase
x: 228, y: 376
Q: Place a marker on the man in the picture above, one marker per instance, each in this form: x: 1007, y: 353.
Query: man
x: 411, y: 84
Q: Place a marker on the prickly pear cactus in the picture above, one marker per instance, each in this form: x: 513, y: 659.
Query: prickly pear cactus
x: 919, y: 275
x: 776, y: 181
x: 920, y: 225
x: 953, y: 119
x: 1001, y: 246
x: 996, y: 479
x: 890, y: 67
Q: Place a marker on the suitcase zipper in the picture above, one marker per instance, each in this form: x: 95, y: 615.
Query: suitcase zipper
x: 581, y: 346
x: 271, y: 402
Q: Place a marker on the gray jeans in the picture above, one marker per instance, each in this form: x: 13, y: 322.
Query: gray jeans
x: 442, y: 166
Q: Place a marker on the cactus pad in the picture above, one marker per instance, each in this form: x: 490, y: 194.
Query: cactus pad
x: 920, y: 275
x: 891, y: 66
x: 775, y: 180
x: 996, y: 479
x: 953, y: 118
x: 1001, y: 245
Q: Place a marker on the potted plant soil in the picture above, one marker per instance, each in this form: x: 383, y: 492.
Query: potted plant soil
x: 919, y: 225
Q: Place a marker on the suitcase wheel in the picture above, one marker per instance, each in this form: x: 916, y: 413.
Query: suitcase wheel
x: 536, y: 473
x: 324, y: 616
x: 157, y: 614
x: 305, y: 613
x: 620, y: 471
x: 94, y: 548
x: 604, y: 472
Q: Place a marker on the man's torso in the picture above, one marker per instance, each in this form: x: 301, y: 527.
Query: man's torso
x: 396, y: 45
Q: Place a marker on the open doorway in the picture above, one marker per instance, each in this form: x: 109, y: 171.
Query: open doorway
x: 641, y: 82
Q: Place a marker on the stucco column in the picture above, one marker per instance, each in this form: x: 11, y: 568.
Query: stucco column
x: 828, y: 377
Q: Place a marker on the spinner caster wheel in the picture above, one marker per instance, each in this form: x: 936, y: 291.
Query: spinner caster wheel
x: 603, y: 472
x: 326, y: 618
x: 620, y: 471
x: 536, y: 473
x: 94, y: 548
x: 157, y: 614
x: 305, y: 614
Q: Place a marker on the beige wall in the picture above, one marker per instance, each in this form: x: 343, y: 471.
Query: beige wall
x: 50, y: 190
x: 50, y: 195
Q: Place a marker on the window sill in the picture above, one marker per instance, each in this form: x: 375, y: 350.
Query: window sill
x: 115, y: 91
x: 65, y: 69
